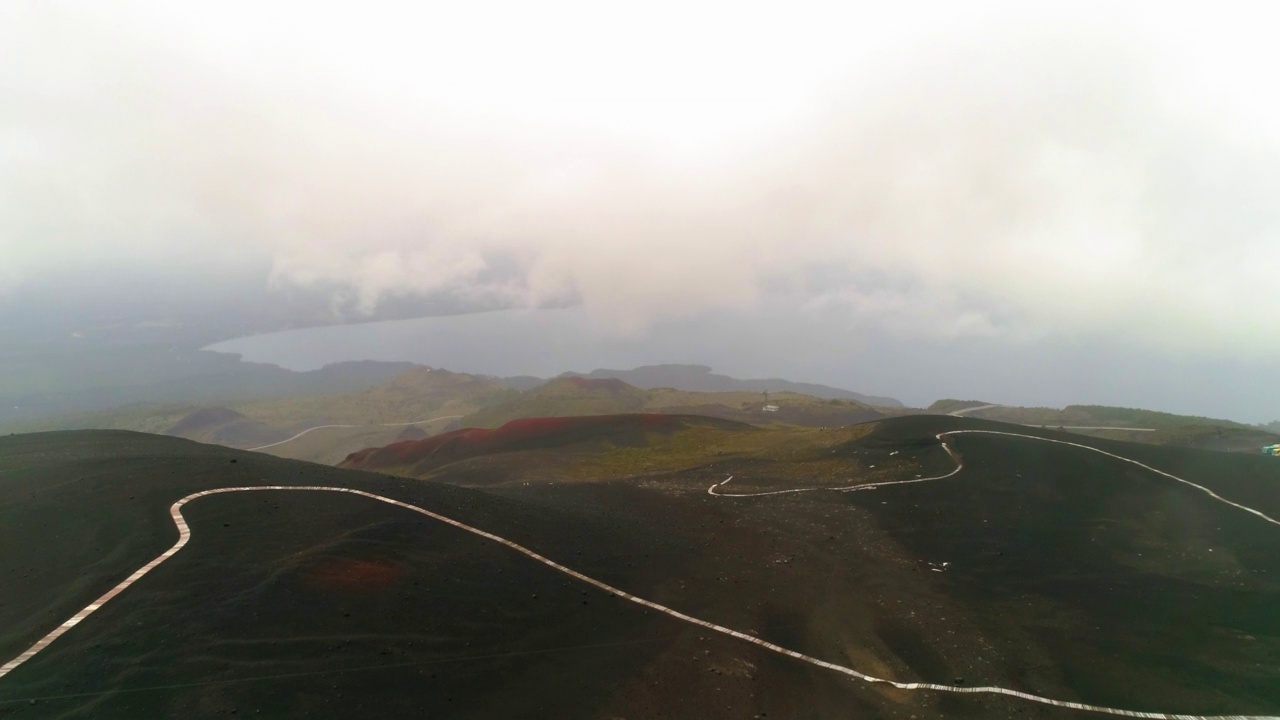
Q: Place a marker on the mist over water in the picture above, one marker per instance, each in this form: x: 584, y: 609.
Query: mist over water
x: 1033, y: 203
x: 997, y: 169
x: 795, y: 345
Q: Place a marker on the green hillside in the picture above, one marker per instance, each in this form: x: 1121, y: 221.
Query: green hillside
x: 416, y: 394
x: 572, y: 396
x: 1131, y: 424
x: 1088, y: 415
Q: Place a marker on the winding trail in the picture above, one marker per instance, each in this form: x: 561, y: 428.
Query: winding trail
x: 960, y: 466
x: 321, y: 427
x: 184, y: 535
x: 962, y: 412
x: 1093, y: 427
x: 965, y: 411
x: 851, y: 488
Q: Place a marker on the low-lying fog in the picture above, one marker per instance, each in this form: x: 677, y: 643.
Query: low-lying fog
x: 808, y: 347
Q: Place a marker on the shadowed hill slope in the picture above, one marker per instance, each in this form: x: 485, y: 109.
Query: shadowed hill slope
x: 298, y: 604
x: 560, y: 434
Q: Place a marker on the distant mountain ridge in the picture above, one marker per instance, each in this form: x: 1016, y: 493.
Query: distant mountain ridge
x: 578, y: 395
x: 700, y: 378
x: 39, y: 386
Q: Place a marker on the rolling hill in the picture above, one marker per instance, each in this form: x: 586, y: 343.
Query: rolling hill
x: 1036, y: 566
x: 700, y: 378
x: 326, y: 428
x: 1124, y: 423
x: 574, y: 395
x: 1152, y: 427
x: 1090, y: 415
x: 222, y: 426
x: 85, y: 384
x: 417, y: 393
x: 550, y: 446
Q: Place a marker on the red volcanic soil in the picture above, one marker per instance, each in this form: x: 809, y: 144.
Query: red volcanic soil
x: 353, y: 574
x: 522, y: 434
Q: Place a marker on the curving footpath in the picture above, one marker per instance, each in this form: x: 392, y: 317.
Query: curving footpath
x: 965, y: 411
x: 851, y: 488
x: 184, y: 535
x: 960, y: 466
x: 321, y: 427
x: 1094, y: 427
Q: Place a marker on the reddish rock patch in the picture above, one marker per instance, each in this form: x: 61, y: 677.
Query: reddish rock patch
x: 353, y: 574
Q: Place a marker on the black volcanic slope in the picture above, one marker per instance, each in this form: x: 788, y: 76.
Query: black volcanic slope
x: 1069, y: 574
x: 310, y: 604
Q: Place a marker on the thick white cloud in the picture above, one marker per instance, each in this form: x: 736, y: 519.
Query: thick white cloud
x: 1078, y: 170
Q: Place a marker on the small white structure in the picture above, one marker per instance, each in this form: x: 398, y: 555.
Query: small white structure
x: 770, y: 408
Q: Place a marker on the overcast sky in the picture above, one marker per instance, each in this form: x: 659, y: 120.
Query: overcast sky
x: 1100, y: 174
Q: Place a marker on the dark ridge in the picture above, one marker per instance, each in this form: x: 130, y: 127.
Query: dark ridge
x: 525, y: 434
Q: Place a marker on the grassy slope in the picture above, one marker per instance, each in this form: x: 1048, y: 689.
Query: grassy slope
x: 701, y: 378
x: 1100, y: 415
x: 621, y: 446
x: 417, y: 394
x: 578, y: 396
x: 949, y: 405
x: 1171, y: 429
x: 1214, y: 437
x: 563, y: 397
